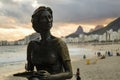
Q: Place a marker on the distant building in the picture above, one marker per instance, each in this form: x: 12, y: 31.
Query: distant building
x: 107, y: 36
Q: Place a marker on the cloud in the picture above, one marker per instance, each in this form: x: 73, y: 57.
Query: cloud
x: 12, y: 23
x: 83, y: 11
x: 21, y: 11
x: 65, y: 11
x: 12, y: 34
x: 16, y: 14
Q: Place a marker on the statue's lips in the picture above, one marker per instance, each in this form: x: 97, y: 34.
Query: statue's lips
x: 46, y: 24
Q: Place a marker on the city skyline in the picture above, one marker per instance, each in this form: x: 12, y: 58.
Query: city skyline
x: 15, y: 16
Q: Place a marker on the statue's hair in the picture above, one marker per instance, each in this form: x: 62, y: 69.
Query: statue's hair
x: 40, y: 9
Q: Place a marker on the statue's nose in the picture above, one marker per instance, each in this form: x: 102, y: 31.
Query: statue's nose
x: 47, y: 19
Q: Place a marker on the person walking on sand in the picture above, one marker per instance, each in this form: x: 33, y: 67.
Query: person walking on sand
x: 78, y: 74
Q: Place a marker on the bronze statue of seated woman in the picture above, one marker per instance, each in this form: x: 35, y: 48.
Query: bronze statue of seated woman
x: 49, y: 55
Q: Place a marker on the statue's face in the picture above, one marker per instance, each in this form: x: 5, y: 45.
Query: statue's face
x: 45, y: 19
x: 44, y: 22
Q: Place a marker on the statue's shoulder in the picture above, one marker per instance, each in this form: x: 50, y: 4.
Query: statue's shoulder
x: 35, y: 41
x: 60, y: 41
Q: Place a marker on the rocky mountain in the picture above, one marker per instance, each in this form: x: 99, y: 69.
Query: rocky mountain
x: 76, y: 33
x: 96, y: 28
x: 114, y: 25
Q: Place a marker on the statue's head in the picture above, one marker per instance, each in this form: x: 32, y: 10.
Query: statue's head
x: 42, y: 19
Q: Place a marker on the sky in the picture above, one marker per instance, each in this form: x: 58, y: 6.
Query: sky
x: 15, y: 16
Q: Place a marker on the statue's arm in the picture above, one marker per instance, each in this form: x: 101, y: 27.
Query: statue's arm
x: 29, y: 66
x: 64, y: 75
x: 64, y: 53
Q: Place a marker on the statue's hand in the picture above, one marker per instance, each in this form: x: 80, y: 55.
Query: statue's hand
x: 45, y: 75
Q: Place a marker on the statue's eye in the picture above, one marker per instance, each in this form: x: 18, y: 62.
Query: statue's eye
x: 49, y: 16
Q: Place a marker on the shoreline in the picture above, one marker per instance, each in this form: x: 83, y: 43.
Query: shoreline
x: 105, y: 47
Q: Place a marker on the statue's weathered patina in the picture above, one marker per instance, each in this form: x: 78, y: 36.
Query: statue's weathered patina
x: 49, y: 55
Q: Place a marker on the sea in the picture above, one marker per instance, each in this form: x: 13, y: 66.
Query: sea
x: 12, y: 54
x: 17, y: 53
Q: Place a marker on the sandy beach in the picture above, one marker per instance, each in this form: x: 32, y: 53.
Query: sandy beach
x: 98, y: 69
x: 104, y: 69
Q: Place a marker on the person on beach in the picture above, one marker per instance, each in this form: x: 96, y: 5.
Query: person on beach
x: 117, y: 54
x: 84, y: 56
x: 78, y: 74
x: 50, y: 54
x: 99, y: 54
